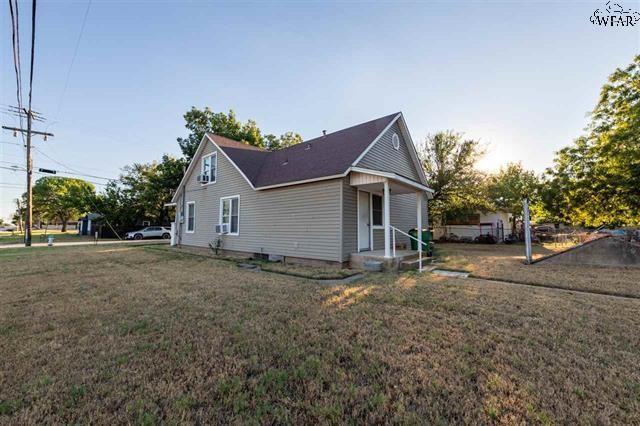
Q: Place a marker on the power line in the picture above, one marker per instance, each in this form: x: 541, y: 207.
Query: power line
x: 15, y: 40
x: 74, y: 171
x: 16, y: 169
x: 73, y: 60
x: 66, y: 172
x: 11, y: 143
x: 33, y: 47
x: 13, y: 169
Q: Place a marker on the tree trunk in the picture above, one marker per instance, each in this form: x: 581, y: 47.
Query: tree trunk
x: 64, y: 224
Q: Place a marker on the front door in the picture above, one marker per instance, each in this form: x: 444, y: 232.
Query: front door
x: 364, y: 219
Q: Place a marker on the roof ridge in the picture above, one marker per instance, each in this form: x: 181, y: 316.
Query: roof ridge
x: 319, y: 138
x: 240, y: 144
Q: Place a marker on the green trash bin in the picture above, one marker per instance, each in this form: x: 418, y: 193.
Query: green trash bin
x: 426, y: 238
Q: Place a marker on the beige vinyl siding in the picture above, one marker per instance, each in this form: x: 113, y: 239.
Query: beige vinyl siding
x: 349, y: 219
x: 301, y: 221
x: 383, y: 156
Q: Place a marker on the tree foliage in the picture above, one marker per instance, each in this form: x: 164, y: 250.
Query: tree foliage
x: 19, y: 214
x: 201, y: 121
x: 596, y: 180
x: 62, y: 198
x: 449, y: 163
x: 507, y: 188
x: 142, y: 192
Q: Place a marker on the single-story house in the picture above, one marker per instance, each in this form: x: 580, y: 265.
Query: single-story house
x: 351, y: 191
x: 496, y: 223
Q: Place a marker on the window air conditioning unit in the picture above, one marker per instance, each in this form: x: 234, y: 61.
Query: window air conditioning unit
x: 222, y: 229
x: 202, y: 178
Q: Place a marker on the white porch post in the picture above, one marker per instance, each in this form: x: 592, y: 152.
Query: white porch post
x: 426, y: 203
x: 387, y: 222
x: 419, y: 219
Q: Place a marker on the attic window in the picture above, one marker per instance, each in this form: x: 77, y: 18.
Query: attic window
x: 285, y: 162
x: 395, y: 140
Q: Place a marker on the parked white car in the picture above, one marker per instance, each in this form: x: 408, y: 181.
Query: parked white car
x: 7, y: 228
x: 149, y: 232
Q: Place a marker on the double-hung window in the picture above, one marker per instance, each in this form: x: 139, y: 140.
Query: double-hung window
x: 210, y: 167
x: 230, y: 214
x: 191, y: 216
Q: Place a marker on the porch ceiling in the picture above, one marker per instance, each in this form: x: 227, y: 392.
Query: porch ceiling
x: 373, y: 181
x: 395, y: 187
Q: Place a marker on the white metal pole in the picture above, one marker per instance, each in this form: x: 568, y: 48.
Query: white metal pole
x: 387, y: 225
x: 393, y: 243
x: 419, y: 223
x: 527, y: 230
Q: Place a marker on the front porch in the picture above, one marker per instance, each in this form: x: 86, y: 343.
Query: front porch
x: 382, y: 229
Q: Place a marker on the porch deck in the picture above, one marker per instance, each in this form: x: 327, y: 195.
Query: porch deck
x: 404, y: 259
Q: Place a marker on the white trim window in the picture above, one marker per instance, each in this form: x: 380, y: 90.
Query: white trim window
x: 395, y: 141
x: 377, y: 211
x: 191, y: 217
x: 209, y: 167
x: 230, y: 214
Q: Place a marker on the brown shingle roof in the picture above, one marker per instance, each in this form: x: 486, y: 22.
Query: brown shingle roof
x: 320, y: 157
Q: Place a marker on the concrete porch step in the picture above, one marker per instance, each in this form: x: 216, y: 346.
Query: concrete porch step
x: 408, y: 265
x: 388, y: 264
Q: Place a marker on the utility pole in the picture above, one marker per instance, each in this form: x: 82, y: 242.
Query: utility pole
x: 19, y: 110
x: 27, y: 229
x: 29, y: 208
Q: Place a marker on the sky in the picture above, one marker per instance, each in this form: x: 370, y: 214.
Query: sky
x: 519, y: 76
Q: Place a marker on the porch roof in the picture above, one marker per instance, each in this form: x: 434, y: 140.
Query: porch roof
x: 373, y: 181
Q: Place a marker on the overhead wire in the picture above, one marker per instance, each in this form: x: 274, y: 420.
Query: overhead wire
x: 73, y: 170
x: 15, y: 40
x: 33, y: 46
x: 73, y: 60
x: 18, y: 167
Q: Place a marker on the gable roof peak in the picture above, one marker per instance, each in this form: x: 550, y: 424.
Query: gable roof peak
x: 328, y: 155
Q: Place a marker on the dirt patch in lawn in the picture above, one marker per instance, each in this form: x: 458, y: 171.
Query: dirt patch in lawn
x: 505, y: 262
x: 131, y: 335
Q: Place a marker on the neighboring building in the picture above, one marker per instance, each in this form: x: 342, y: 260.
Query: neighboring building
x: 472, y: 225
x: 322, y: 199
x: 88, y: 224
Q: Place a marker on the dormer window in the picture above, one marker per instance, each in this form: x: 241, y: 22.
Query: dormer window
x: 209, y: 168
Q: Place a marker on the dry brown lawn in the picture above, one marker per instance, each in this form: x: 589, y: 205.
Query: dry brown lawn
x: 137, y: 335
x: 505, y: 262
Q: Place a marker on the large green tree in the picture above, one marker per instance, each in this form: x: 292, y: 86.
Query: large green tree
x: 596, y: 180
x: 142, y: 192
x: 449, y: 162
x: 201, y: 121
x: 509, y: 186
x: 62, y: 198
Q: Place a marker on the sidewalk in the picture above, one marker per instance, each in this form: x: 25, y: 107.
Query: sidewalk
x: 85, y: 243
